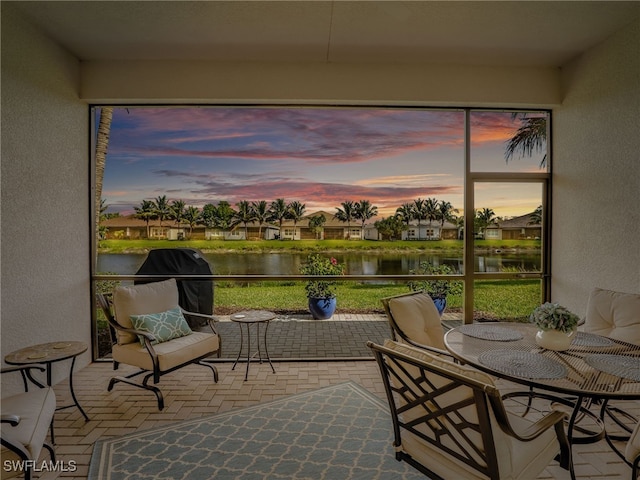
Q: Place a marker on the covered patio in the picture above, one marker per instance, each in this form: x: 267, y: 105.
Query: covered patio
x: 579, y: 60
x: 191, y: 394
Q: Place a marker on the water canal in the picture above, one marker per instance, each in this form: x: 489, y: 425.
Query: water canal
x: 356, y: 263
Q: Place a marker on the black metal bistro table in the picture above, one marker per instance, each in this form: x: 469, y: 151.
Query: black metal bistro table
x: 594, y: 368
x: 47, y: 354
x: 246, y: 319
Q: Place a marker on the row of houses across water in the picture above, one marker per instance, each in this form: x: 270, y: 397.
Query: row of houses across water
x: 130, y: 227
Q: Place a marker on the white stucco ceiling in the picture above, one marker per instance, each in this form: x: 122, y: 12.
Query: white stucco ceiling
x: 511, y: 33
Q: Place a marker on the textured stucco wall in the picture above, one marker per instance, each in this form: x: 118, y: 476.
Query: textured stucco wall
x: 209, y: 82
x: 45, y: 236
x: 596, y: 182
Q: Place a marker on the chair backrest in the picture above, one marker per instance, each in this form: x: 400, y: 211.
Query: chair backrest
x: 449, y: 420
x: 441, y: 412
x: 414, y: 319
x: 614, y: 314
x: 142, y: 299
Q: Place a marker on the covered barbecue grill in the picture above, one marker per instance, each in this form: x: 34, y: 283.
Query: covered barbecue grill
x: 195, y: 295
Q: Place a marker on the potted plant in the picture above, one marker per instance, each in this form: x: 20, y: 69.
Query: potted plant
x: 436, y: 289
x: 321, y: 293
x: 556, y: 326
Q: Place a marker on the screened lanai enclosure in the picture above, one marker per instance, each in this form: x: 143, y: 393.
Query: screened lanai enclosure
x: 396, y: 195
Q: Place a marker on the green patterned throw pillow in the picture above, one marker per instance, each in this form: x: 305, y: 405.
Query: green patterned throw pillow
x: 164, y: 326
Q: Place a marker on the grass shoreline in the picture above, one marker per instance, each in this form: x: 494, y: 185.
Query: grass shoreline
x: 494, y: 299
x: 314, y: 246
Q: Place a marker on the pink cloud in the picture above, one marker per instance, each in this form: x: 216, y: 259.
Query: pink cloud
x: 317, y: 134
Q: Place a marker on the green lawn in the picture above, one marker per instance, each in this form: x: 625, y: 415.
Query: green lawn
x: 254, y: 246
x: 493, y: 299
x: 512, y: 300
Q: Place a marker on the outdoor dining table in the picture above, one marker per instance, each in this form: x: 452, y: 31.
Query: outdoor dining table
x: 594, y: 369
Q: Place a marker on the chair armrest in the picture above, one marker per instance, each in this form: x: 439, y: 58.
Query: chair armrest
x: 546, y: 422
x: 534, y: 430
x: 146, y: 335
x: 211, y: 319
x: 13, y: 420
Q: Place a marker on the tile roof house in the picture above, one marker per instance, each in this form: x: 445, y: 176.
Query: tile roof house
x: 131, y: 228
x: 332, y: 229
x: 515, y: 228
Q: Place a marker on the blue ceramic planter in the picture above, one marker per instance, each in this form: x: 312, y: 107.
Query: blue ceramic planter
x: 322, y: 308
x: 440, y: 303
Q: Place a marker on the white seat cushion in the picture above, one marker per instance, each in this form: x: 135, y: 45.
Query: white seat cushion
x: 418, y: 318
x: 614, y: 314
x: 170, y: 354
x: 35, y: 409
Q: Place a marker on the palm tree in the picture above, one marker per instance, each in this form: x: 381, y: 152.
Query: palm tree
x: 431, y: 209
x: 244, y: 215
x: 346, y: 214
x: 146, y: 211
x: 536, y: 217
x: 102, y: 145
x: 102, y: 230
x: 260, y: 213
x: 295, y: 213
x: 162, y: 208
x: 365, y: 211
x: 176, y: 210
x: 191, y: 216
x: 278, y: 212
x: 530, y: 137
x: 419, y: 212
x: 103, y: 208
x: 316, y: 223
x: 445, y: 212
x: 224, y: 215
x: 405, y: 213
x: 485, y: 217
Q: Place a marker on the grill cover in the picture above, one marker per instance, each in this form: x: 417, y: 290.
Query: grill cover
x: 194, y: 295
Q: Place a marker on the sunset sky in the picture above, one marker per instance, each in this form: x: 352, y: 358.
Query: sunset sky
x: 318, y: 156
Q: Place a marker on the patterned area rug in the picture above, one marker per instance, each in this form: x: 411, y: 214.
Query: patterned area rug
x: 338, y: 432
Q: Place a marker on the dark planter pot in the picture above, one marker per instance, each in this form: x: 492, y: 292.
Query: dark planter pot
x: 440, y: 303
x: 322, y: 308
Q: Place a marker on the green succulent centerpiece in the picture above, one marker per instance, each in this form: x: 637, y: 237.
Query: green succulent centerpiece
x: 317, y: 265
x: 552, y: 316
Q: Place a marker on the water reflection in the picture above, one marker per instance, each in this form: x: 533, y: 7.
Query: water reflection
x: 356, y: 263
